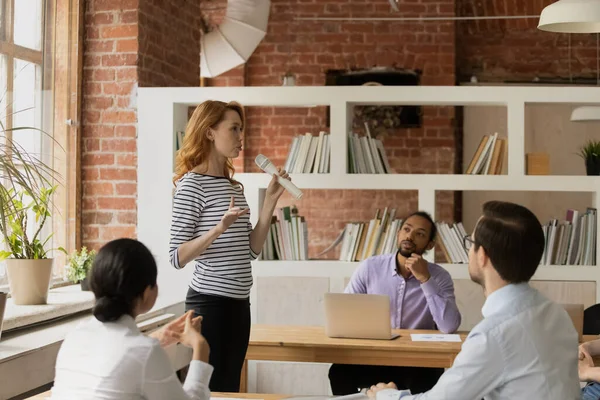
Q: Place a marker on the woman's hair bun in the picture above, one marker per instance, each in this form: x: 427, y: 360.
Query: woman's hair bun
x: 109, y: 309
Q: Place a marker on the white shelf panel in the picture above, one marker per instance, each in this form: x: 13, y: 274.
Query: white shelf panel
x: 341, y: 269
x: 311, y: 268
x: 431, y: 182
x: 309, y: 96
x: 543, y: 273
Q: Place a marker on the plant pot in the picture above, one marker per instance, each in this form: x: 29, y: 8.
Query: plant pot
x: 2, y: 308
x: 85, y: 284
x: 592, y: 165
x: 29, y: 280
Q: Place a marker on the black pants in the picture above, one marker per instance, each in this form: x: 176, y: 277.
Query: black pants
x: 349, y: 378
x: 226, y: 327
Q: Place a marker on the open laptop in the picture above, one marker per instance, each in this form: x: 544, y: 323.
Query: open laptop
x: 358, y: 316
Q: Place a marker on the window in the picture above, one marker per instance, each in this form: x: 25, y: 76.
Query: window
x: 40, y: 67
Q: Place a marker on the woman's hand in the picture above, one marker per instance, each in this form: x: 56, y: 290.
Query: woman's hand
x: 231, y: 216
x: 192, y: 337
x: 171, y: 332
x: 275, y: 190
x: 584, y: 351
x: 372, y: 392
x: 586, y: 365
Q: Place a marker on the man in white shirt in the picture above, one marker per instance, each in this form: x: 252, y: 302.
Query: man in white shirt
x: 526, y: 345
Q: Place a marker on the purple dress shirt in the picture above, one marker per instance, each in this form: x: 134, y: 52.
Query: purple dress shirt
x: 413, y: 305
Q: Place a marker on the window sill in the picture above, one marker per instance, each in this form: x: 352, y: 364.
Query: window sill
x: 28, y: 355
x: 62, y: 301
x: 54, y: 284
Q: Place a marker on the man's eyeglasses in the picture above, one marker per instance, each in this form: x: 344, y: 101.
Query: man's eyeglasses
x: 468, y: 242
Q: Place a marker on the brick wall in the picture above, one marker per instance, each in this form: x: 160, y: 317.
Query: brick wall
x: 127, y: 43
x: 123, y: 49
x: 308, y: 49
x: 109, y: 145
x: 169, y: 38
x: 497, y: 50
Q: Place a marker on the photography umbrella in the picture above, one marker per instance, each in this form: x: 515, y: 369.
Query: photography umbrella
x: 234, y: 41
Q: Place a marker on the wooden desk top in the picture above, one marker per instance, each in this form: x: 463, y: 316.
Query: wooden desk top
x: 314, y: 337
x: 249, y: 396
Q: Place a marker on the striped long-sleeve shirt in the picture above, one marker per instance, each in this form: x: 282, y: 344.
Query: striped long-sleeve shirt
x: 199, y: 203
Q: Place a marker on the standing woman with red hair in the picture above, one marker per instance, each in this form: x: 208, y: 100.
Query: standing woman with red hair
x: 211, y: 227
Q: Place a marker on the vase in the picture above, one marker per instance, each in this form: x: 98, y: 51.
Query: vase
x: 592, y: 165
x: 29, y: 280
x: 85, y: 284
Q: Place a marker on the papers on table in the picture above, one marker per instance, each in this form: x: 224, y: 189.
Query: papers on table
x: 426, y: 337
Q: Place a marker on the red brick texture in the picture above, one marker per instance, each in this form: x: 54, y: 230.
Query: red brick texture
x: 128, y: 43
x: 169, y: 43
x: 309, y: 49
x: 498, y: 50
x: 109, y: 120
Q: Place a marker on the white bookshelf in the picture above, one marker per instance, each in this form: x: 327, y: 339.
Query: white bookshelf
x: 163, y: 111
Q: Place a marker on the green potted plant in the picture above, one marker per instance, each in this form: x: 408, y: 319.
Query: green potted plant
x: 590, y: 153
x: 80, y: 263
x: 25, y: 203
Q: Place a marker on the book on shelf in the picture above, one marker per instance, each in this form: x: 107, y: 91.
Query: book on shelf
x: 569, y: 242
x: 572, y: 241
x: 288, y: 236
x: 489, y: 156
x: 309, y: 154
x: 366, y: 155
x: 450, y: 241
x: 179, y: 135
x: 362, y: 240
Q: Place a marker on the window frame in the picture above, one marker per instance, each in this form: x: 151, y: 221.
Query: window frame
x: 61, y: 61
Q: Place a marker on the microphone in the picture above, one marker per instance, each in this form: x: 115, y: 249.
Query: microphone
x: 267, y: 166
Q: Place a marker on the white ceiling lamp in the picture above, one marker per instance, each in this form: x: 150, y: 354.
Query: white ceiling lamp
x: 233, y: 42
x: 586, y: 113
x: 571, y: 16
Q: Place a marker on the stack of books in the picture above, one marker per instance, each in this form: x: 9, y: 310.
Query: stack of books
x: 450, y: 239
x: 288, y: 236
x: 571, y: 242
x: 309, y: 154
x: 367, y: 155
x: 179, y: 140
x: 362, y: 240
x: 489, y: 157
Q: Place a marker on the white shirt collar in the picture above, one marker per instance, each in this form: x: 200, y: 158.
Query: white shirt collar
x: 496, y: 301
x: 125, y: 320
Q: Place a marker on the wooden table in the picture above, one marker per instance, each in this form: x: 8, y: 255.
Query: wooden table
x: 249, y: 396
x: 310, y: 344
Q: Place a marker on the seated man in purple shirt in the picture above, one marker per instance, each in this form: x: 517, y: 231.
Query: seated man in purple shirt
x: 421, y: 297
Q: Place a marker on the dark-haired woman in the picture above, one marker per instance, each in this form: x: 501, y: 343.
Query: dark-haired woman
x: 107, y: 357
